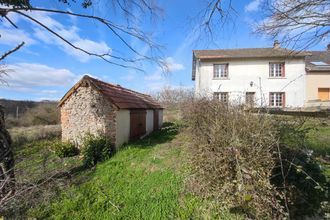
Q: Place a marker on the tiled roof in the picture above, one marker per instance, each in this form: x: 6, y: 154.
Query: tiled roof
x: 121, y: 97
x: 248, y: 53
x: 318, y: 56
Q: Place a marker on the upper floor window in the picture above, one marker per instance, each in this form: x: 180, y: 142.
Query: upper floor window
x: 221, y: 96
x: 220, y: 71
x: 277, y: 99
x: 276, y: 70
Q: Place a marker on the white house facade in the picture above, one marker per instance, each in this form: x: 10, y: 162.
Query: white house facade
x: 262, y: 77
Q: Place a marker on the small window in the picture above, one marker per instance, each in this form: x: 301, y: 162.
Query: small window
x: 277, y: 99
x: 221, y: 96
x: 220, y: 71
x: 276, y: 70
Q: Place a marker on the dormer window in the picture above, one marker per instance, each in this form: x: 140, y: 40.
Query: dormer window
x: 220, y: 71
x: 276, y: 70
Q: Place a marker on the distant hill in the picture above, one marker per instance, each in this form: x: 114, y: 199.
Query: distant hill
x: 12, y: 106
x: 30, y: 113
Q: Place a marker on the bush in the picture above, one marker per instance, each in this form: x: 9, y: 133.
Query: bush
x: 232, y: 158
x: 65, y: 149
x: 304, y: 185
x: 96, y: 149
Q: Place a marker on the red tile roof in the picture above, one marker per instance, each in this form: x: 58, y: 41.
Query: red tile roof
x: 121, y: 97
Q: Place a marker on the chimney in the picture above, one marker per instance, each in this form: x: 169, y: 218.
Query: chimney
x: 276, y: 44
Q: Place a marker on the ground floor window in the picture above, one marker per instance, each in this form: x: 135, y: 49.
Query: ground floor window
x: 277, y: 99
x: 221, y: 96
x: 324, y: 94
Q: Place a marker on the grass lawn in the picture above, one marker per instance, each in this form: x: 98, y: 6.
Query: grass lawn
x: 144, y: 180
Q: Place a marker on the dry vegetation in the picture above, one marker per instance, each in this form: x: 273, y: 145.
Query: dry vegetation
x: 243, y: 161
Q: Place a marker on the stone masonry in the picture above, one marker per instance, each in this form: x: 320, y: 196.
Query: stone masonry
x: 87, y: 111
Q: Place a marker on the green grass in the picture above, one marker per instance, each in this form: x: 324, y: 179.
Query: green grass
x: 319, y: 139
x: 144, y: 180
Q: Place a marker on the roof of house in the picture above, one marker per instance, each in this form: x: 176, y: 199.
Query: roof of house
x: 248, y: 53
x: 121, y: 97
x: 318, y: 61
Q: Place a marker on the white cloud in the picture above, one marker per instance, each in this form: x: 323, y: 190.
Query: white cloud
x: 253, y: 6
x: 14, y: 37
x: 172, y: 65
x: 27, y: 75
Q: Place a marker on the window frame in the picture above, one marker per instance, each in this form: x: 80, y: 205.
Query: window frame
x: 219, y: 74
x: 275, y: 97
x: 276, y: 69
x: 221, y: 96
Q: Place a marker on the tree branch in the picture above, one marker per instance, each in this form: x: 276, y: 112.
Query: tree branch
x: 11, y: 51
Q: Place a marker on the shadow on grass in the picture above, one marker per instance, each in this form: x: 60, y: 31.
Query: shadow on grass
x: 167, y: 133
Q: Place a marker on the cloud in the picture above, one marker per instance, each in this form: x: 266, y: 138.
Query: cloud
x: 128, y: 77
x: 11, y: 36
x: 172, y: 65
x: 253, y: 6
x: 28, y: 75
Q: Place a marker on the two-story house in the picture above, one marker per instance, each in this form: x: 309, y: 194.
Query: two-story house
x: 263, y: 77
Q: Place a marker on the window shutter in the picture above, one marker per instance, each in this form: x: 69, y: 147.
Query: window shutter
x: 270, y: 99
x: 270, y: 72
x: 283, y: 67
x: 283, y: 99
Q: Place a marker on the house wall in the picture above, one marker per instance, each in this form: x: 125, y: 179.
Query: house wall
x: 149, y: 121
x: 87, y: 111
x: 244, y: 71
x: 122, y: 127
x: 314, y: 81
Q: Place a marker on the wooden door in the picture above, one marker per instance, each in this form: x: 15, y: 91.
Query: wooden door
x: 324, y: 94
x: 250, y: 99
x: 137, y: 123
x: 156, y: 119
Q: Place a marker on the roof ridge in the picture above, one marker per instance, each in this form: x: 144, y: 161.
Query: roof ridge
x: 116, y: 86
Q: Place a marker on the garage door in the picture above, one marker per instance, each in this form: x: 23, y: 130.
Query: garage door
x: 137, y: 123
x: 324, y: 94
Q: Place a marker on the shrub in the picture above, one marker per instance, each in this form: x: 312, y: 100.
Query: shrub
x: 96, y: 149
x: 302, y: 182
x: 232, y: 158
x: 64, y: 149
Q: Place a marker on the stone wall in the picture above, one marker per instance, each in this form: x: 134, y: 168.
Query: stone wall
x: 87, y: 111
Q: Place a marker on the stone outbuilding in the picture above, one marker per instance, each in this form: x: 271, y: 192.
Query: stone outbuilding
x: 95, y: 107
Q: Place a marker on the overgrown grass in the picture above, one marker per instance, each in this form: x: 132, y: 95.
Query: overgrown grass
x: 23, y: 135
x: 144, y: 180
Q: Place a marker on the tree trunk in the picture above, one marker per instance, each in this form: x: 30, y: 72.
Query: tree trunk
x: 7, y: 175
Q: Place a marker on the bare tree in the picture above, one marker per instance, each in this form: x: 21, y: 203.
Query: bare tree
x: 298, y: 24
x: 121, y: 32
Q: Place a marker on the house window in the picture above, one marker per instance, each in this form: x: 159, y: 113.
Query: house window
x: 222, y: 96
x: 249, y: 99
x: 277, y: 99
x: 276, y: 70
x: 220, y: 71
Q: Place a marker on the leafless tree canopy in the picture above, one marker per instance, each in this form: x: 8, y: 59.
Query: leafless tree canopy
x: 214, y: 17
x: 119, y: 31
x: 299, y: 24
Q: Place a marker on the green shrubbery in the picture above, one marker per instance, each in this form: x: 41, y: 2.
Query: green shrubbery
x: 96, y: 149
x: 64, y: 149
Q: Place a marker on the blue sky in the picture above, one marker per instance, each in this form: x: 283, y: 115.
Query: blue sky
x: 45, y: 68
